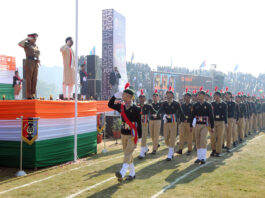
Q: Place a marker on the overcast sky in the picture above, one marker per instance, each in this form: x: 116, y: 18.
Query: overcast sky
x: 224, y: 32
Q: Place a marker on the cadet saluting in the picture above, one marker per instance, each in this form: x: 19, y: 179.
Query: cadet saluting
x: 202, y: 115
x: 31, y: 64
x: 131, y: 129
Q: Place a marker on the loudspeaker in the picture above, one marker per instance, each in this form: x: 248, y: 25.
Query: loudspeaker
x: 94, y: 70
x: 94, y: 88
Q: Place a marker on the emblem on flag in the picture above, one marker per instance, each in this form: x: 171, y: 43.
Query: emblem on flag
x: 29, y: 130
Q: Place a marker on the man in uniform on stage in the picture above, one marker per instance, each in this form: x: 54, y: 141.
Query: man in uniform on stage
x: 131, y: 129
x: 184, y: 131
x: 69, y: 68
x: 171, y: 110
x: 155, y: 122
x: 220, y: 122
x: 231, y: 105
x: 202, y: 115
x: 31, y: 64
x: 145, y: 113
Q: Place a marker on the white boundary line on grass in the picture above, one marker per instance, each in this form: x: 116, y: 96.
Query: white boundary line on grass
x: 188, y: 173
x: 104, y: 181
x: 49, y: 177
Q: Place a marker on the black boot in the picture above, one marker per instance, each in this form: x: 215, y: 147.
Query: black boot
x: 130, y: 178
x: 217, y: 155
x: 197, y: 161
x: 153, y: 152
x: 179, y: 151
x: 213, y: 153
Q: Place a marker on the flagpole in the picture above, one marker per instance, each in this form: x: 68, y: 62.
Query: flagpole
x: 76, y: 68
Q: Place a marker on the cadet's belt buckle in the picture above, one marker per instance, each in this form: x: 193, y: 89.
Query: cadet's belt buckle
x: 169, y: 116
x: 186, y: 117
x: 200, y: 119
x: 217, y: 116
x: 127, y: 126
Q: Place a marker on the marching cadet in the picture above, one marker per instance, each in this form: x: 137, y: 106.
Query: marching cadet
x: 171, y: 110
x: 155, y: 122
x: 247, y: 116
x: 131, y: 129
x: 255, y: 122
x: 235, y: 129
x: 31, y: 64
x: 202, y: 115
x: 145, y: 112
x: 259, y: 112
x: 231, y: 105
x: 220, y: 122
x: 250, y: 114
x: 241, y: 118
x: 185, y: 135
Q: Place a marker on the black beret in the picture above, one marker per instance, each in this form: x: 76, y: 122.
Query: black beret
x: 218, y: 93
x: 67, y: 39
x: 129, y: 91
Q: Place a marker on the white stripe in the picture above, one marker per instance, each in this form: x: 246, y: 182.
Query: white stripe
x: 104, y: 181
x: 188, y: 173
x: 10, y: 130
x: 50, y: 177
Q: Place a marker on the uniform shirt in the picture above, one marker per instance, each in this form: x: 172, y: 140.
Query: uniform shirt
x: 259, y: 108
x: 31, y: 50
x: 248, y: 110
x: 133, y: 114
x: 202, y: 110
x: 173, y: 108
x: 146, y: 111
x: 263, y: 107
x: 83, y: 77
x: 156, y: 107
x: 242, y: 110
x: 187, y: 110
x: 253, y: 107
x: 231, y: 105
x: 220, y: 111
x: 236, y: 115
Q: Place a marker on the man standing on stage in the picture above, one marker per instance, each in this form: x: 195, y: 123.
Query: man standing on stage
x: 131, y: 129
x: 145, y: 112
x: 202, y: 115
x: 83, y: 81
x: 231, y: 105
x: 220, y: 122
x: 155, y: 122
x: 69, y: 68
x: 114, y: 80
x: 172, y: 111
x: 185, y: 135
x: 31, y: 64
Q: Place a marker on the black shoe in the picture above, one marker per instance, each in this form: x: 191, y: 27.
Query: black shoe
x: 140, y: 157
x: 223, y: 146
x: 240, y: 141
x: 189, y: 153
x: 158, y: 145
x: 246, y: 135
x: 170, y: 159
x: 249, y: 133
x: 217, y: 155
x: 234, y: 144
x: 153, y: 152
x: 213, y: 153
x: 203, y: 161
x: 194, y: 148
x: 228, y: 150
x: 130, y: 178
x: 119, y: 176
x: 179, y: 151
x: 197, y: 161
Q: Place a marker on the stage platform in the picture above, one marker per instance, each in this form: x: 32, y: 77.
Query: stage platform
x: 55, y: 142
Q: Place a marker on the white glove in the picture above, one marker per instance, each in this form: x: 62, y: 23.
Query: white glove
x: 165, y: 118
x: 194, y: 122
x: 118, y: 95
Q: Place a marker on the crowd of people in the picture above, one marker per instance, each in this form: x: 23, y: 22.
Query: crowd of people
x: 225, y: 118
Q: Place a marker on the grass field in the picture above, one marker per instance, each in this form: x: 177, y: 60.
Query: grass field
x: 238, y: 174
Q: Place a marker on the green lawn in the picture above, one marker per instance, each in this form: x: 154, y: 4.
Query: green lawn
x: 237, y: 174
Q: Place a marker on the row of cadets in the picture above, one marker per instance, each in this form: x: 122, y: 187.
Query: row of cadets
x: 131, y: 129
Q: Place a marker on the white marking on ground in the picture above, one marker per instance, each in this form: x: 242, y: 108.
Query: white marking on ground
x: 192, y: 171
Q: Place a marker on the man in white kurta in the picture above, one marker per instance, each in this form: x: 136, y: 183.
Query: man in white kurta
x: 69, y: 68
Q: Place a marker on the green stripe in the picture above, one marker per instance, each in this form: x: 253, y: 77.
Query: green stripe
x: 47, y: 152
x: 7, y: 90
